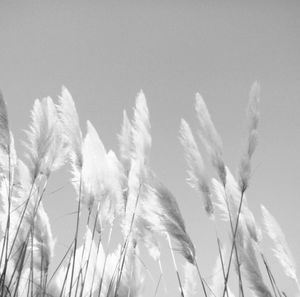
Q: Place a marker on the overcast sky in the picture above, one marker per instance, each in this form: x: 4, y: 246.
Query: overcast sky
x: 104, y: 52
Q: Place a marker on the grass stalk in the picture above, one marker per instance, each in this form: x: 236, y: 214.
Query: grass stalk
x: 233, y: 242
x: 105, y: 259
x: 76, y: 235
x: 222, y: 262
x: 175, y: 265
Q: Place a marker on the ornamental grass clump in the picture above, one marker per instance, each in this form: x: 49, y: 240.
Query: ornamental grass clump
x: 127, y: 202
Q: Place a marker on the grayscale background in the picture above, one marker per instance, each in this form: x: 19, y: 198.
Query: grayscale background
x: 104, y: 52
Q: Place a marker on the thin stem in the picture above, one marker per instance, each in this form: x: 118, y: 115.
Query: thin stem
x: 89, y: 256
x: 175, y: 265
x: 235, y: 249
x: 271, y: 277
x: 61, y: 261
x: 6, y: 237
x: 157, y: 286
x: 22, y: 217
x: 66, y: 276
x: 201, y: 278
x: 105, y: 260
x: 82, y: 254
x: 222, y: 262
x: 76, y: 235
x: 233, y: 243
x: 125, y: 245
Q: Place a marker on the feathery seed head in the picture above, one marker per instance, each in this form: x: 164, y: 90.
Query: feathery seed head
x: 210, y: 137
x: 70, y: 126
x: 126, y: 141
x: 141, y: 132
x: 196, y: 172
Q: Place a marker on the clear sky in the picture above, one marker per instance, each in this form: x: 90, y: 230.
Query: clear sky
x: 104, y: 52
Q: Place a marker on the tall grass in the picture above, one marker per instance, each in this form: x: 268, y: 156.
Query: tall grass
x: 121, y: 194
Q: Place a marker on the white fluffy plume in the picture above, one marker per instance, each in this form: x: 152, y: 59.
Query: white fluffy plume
x: 102, y: 178
x: 45, y: 146
x: 251, y: 143
x: 141, y: 132
x: 228, y: 201
x: 251, y: 270
x: 4, y: 129
x: 141, y: 138
x: 281, y: 249
x: 164, y: 215
x: 43, y: 239
x: 71, y: 130
x: 94, y: 167
x: 210, y: 137
x: 7, y: 149
x: 125, y: 141
x: 196, y: 171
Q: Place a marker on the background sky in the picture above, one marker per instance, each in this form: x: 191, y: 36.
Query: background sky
x: 104, y: 52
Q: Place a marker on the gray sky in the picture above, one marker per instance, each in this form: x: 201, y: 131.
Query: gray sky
x: 104, y: 52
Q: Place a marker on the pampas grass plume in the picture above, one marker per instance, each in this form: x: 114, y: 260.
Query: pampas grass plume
x: 4, y: 129
x: 125, y: 141
x: 252, y: 138
x: 141, y: 132
x: 281, y: 249
x: 210, y: 137
x: 197, y: 178
x: 251, y: 271
x: 71, y: 128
